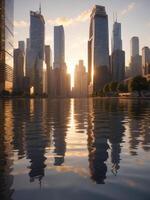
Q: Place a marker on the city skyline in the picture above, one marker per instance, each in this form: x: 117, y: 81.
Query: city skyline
x: 76, y: 15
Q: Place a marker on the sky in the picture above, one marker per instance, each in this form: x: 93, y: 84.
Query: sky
x: 134, y: 16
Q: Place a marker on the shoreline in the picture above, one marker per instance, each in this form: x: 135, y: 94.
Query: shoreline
x: 98, y: 97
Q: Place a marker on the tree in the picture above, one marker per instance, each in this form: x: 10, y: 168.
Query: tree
x: 106, y: 88
x: 113, y: 86
x: 101, y: 93
x: 122, y: 87
x: 138, y: 84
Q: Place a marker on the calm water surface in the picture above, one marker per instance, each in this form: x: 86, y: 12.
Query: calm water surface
x: 83, y: 149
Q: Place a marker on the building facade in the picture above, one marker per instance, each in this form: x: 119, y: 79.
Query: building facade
x: 134, y: 46
x: 6, y: 44
x: 49, y: 77
x: 145, y: 61
x: 98, y: 50
x: 36, y: 52
x: 21, y: 45
x: 18, y: 72
x: 80, y: 80
x: 136, y: 59
x: 59, y: 46
x: 116, y: 37
x: 60, y: 76
x: 118, y: 65
x: 118, y: 55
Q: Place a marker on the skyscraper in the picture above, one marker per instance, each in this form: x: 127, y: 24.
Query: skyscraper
x: 136, y: 60
x: 21, y: 45
x: 27, y: 65
x: 37, y: 41
x: 80, y: 80
x: 146, y: 60
x: 6, y: 44
x: 18, y: 71
x: 116, y: 37
x: 118, y: 55
x: 59, y: 47
x: 98, y: 49
x: 134, y: 46
x: 60, y: 83
x: 49, y: 77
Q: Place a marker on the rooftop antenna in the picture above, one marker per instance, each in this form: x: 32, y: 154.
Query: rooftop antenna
x: 116, y: 17
x: 40, y: 8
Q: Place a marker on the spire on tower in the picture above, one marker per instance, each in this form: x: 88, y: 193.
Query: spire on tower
x: 40, y: 8
x: 116, y: 17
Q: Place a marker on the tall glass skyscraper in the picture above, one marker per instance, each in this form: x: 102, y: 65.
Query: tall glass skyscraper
x: 59, y: 46
x: 118, y: 55
x: 98, y: 49
x: 134, y: 46
x: 61, y: 78
x: 37, y: 42
x: 6, y: 44
x: 136, y: 59
x: 116, y: 37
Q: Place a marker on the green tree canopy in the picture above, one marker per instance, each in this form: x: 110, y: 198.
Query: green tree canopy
x: 122, y: 87
x: 113, y: 86
x: 106, y: 88
x: 138, y: 84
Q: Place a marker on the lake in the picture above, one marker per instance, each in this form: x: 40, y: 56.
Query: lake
x: 74, y: 149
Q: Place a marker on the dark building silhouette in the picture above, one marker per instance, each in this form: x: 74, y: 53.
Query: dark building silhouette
x: 37, y: 139
x: 60, y: 112
x: 98, y: 133
x: 116, y: 133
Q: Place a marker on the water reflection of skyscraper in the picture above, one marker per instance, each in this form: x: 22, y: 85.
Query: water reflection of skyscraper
x: 37, y: 139
x: 105, y: 123
x: 60, y: 114
x: 6, y: 162
x: 19, y: 115
x: 116, y: 133
x: 97, y: 143
x: 138, y: 112
x: 80, y: 113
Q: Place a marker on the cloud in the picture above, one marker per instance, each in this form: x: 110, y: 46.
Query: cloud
x: 129, y: 8
x: 21, y: 24
x: 61, y: 21
x: 66, y: 21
